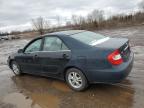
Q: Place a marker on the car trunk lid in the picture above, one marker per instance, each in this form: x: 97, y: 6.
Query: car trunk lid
x: 121, y: 44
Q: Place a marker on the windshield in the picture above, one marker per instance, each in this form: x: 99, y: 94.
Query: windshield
x: 88, y: 37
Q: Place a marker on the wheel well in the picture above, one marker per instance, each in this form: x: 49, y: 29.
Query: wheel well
x: 65, y: 70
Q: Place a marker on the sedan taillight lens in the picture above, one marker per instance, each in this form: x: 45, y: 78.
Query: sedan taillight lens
x: 115, y: 58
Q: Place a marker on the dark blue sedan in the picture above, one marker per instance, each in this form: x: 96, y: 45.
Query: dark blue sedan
x: 77, y: 56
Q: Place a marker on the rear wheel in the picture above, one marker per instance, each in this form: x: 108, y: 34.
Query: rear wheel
x: 76, y: 79
x: 15, y: 68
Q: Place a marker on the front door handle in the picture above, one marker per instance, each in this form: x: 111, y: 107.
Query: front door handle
x: 35, y: 56
x: 65, y: 56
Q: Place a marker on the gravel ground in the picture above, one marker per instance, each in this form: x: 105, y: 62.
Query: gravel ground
x: 38, y: 92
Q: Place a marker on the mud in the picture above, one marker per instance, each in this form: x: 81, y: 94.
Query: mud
x: 29, y: 91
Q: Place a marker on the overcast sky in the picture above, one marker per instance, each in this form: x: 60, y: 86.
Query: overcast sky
x: 17, y: 14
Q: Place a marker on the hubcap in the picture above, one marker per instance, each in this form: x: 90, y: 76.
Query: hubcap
x: 15, y: 69
x: 75, y: 79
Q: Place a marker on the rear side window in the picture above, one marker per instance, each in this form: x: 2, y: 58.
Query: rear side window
x: 54, y: 44
x: 88, y: 37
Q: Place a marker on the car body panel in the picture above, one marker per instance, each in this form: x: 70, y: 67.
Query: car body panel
x: 52, y: 62
x: 115, y: 74
x: 29, y: 62
x: 91, y: 60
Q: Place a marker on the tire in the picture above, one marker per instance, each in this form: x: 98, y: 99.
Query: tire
x: 15, y: 68
x: 76, y: 79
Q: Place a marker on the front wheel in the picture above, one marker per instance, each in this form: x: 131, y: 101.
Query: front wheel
x: 76, y: 79
x: 15, y: 68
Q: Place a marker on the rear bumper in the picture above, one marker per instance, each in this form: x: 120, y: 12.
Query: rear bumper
x: 113, y: 75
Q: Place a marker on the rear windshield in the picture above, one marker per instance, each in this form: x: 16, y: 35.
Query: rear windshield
x: 88, y: 37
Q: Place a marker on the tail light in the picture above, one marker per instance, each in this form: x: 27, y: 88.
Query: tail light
x: 115, y: 58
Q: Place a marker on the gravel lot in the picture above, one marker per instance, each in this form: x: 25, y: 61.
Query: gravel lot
x: 39, y: 92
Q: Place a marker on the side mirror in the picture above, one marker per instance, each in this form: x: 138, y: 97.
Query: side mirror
x: 20, y: 51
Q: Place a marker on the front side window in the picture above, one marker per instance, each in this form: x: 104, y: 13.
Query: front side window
x: 54, y: 44
x: 34, y: 46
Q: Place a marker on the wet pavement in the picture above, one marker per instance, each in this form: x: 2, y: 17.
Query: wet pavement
x: 29, y: 91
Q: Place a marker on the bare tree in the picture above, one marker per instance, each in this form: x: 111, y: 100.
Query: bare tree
x: 74, y: 19
x: 78, y: 21
x: 40, y: 25
x: 141, y: 5
x: 58, y: 20
x: 68, y: 23
x: 96, y: 15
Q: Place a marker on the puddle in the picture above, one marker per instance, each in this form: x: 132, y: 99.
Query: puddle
x: 18, y: 100
x: 46, y: 100
x: 61, y: 86
x: 36, y: 100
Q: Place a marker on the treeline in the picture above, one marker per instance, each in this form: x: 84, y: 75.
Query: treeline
x: 11, y: 33
x: 125, y: 20
x: 96, y: 20
x: 3, y: 34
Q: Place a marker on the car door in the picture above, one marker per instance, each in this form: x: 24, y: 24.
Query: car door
x: 29, y: 60
x: 55, y: 55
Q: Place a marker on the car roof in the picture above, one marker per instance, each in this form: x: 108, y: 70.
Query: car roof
x: 68, y: 32
x: 66, y: 35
